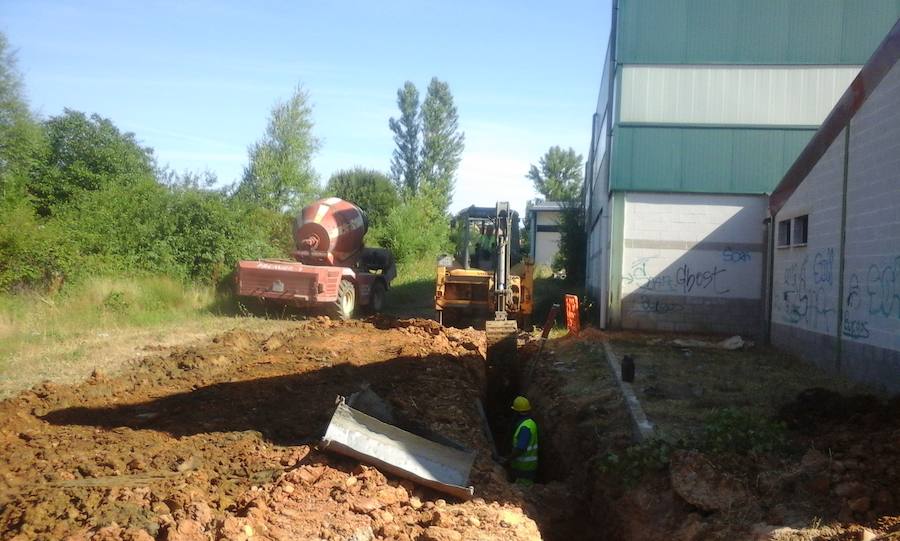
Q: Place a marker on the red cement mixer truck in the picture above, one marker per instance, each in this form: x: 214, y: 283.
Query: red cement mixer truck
x: 332, y: 269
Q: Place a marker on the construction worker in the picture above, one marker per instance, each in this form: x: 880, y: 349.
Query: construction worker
x: 523, y: 460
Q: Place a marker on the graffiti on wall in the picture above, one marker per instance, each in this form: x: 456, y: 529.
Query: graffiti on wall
x: 733, y: 255
x: 805, y: 292
x: 685, y: 280
x: 876, y: 294
x: 855, y: 325
x: 882, y: 289
x: 808, y: 292
x: 651, y: 305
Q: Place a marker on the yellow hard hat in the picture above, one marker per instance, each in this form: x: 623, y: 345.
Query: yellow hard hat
x: 521, y: 404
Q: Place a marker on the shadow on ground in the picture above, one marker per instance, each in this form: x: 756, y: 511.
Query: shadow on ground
x: 292, y: 409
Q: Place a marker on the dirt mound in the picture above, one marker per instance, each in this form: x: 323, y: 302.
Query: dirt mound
x: 212, y: 441
x: 815, y: 408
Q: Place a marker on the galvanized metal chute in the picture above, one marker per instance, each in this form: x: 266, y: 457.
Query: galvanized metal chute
x: 392, y: 450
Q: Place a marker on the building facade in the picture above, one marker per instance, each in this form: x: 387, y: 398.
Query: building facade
x: 835, y: 276
x: 702, y: 109
x: 543, y: 231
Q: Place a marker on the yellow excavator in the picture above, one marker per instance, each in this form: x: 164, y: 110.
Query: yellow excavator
x: 488, y: 277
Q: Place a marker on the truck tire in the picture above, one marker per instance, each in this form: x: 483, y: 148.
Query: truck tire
x: 345, y: 304
x: 377, y: 297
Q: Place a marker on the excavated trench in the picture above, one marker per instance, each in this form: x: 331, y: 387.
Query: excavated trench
x: 566, y: 506
x: 219, y: 438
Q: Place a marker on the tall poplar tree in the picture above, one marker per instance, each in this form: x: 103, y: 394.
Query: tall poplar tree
x: 429, y: 143
x: 442, y: 143
x: 405, y: 164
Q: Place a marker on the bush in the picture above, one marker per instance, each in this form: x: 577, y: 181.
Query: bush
x: 86, y: 154
x: 730, y: 430
x: 32, y: 254
x: 366, y: 188
x: 140, y: 229
x: 637, y: 461
x: 570, y: 259
x: 414, y: 230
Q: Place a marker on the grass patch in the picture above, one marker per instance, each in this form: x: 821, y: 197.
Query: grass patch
x: 100, y: 324
x: 723, y: 397
x: 30, y: 320
x: 412, y: 292
x: 549, y: 291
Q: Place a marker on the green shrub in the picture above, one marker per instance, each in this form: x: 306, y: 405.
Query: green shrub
x: 185, y: 233
x: 368, y: 189
x: 32, y: 254
x: 570, y: 258
x: 636, y: 461
x: 731, y: 430
x: 115, y: 302
x: 414, y: 230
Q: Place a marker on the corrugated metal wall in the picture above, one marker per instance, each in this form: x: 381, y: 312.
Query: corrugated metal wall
x: 752, y: 31
x: 782, y: 95
x: 713, y: 160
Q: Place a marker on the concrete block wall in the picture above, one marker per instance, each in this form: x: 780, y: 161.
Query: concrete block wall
x: 806, y: 302
x: 804, y: 278
x: 693, y: 262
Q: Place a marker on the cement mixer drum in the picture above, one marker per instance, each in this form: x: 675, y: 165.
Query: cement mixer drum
x: 329, y: 231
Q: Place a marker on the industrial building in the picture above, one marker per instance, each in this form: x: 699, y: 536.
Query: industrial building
x: 703, y: 107
x: 543, y: 231
x: 835, y: 276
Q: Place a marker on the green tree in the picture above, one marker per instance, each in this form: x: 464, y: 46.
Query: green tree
x: 429, y: 143
x: 21, y: 137
x: 442, y: 143
x: 559, y: 176
x: 414, y: 230
x: 572, y: 243
x: 368, y: 189
x: 280, y: 174
x: 405, y: 163
x: 87, y: 154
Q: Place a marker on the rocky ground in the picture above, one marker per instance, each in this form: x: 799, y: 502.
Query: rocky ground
x: 218, y: 441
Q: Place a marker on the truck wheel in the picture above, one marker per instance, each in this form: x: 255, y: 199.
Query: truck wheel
x: 377, y: 297
x: 346, y: 301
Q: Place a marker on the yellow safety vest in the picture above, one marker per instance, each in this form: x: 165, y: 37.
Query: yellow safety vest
x: 528, y: 460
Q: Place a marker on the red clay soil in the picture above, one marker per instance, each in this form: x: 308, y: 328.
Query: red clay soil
x: 217, y: 442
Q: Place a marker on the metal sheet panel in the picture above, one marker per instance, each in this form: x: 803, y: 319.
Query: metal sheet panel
x: 712, y: 160
x: 752, y: 32
x: 355, y: 434
x: 771, y: 95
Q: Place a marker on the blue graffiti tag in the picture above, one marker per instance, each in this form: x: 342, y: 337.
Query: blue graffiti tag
x: 731, y: 255
x: 658, y: 306
x: 883, y: 290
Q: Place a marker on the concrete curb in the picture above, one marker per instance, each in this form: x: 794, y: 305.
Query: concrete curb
x: 643, y: 428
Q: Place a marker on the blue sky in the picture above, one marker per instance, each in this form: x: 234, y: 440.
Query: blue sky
x: 196, y: 80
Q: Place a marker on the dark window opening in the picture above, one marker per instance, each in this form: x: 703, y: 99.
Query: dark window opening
x: 784, y: 233
x: 801, y: 228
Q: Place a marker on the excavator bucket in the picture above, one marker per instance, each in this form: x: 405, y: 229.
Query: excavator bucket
x: 354, y: 434
x: 501, y: 352
x: 501, y: 339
